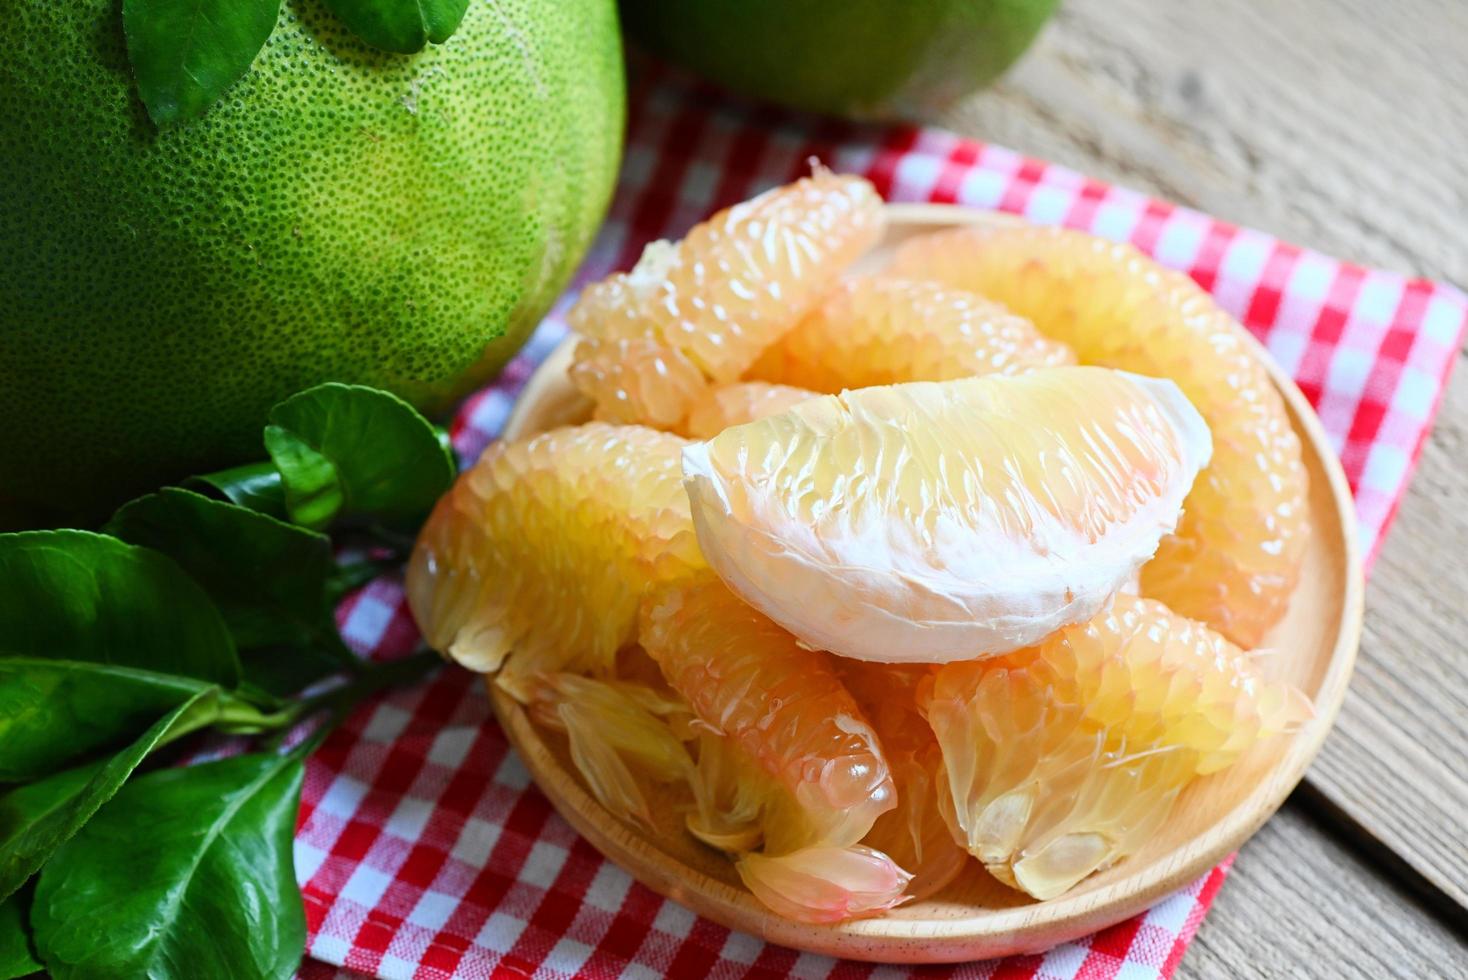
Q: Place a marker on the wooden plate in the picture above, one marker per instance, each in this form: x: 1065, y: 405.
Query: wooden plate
x: 976, y: 917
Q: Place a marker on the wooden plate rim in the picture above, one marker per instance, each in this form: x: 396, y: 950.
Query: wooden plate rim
x: 991, y: 932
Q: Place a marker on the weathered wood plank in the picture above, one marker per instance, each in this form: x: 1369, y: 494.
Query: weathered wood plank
x: 1338, y: 124
x: 1298, y: 904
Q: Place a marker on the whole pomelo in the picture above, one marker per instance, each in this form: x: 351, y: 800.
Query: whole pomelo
x: 856, y: 57
x: 341, y: 214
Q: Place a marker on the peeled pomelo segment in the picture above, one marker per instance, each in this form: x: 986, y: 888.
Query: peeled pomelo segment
x: 781, y: 705
x: 1039, y: 793
x: 1064, y: 757
x: 914, y: 833
x: 543, y: 550
x: 825, y: 883
x: 639, y: 380
x: 719, y: 407
x: 619, y: 734
x: 944, y: 521
x: 1159, y: 678
x: 880, y: 330
x: 700, y: 311
x: 1236, y: 556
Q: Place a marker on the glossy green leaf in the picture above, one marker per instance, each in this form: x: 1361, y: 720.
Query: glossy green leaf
x: 17, y: 957
x: 74, y: 595
x: 54, y: 712
x: 37, y: 818
x: 254, y: 485
x: 267, y: 577
x: 313, y: 488
x: 185, y: 53
x: 403, y: 26
x: 186, y: 873
x: 347, y: 450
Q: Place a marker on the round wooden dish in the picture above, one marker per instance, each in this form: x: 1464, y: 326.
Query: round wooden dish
x: 976, y: 917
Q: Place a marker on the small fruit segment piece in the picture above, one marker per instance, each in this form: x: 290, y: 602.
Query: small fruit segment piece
x: 949, y: 520
x: 825, y: 883
x: 786, y: 759
x: 880, y: 330
x: 734, y: 404
x: 1064, y: 757
x: 914, y: 833
x: 703, y: 309
x: 619, y: 735
x: 1235, y: 557
x: 546, y: 547
x: 783, y: 705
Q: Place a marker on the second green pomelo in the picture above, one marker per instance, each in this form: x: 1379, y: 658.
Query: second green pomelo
x: 855, y: 57
x: 340, y: 214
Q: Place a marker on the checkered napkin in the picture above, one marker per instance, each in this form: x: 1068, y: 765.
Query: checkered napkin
x: 423, y: 848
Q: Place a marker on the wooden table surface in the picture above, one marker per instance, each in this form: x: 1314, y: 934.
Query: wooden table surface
x: 1341, y: 125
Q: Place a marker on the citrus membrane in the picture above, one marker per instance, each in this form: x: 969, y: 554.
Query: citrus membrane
x: 1235, y: 557
x: 915, y: 832
x: 1063, y: 757
x: 946, y: 521
x: 789, y: 759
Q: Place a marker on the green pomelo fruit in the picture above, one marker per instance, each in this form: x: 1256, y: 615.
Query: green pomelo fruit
x: 854, y: 57
x: 340, y: 214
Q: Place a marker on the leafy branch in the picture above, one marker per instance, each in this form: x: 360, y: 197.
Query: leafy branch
x: 203, y: 607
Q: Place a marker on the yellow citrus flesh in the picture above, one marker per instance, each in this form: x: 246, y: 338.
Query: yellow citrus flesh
x: 704, y: 308
x: 619, y: 735
x: 787, y: 759
x: 936, y: 521
x: 545, y: 548
x: 784, y: 707
x: 1235, y: 557
x: 721, y: 406
x: 880, y: 330
x: 1064, y: 757
x: 914, y: 833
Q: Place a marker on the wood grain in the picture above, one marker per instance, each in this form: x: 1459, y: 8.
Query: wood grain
x: 1298, y: 904
x: 1337, y: 124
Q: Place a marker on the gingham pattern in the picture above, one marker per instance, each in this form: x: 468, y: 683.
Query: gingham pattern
x: 423, y: 849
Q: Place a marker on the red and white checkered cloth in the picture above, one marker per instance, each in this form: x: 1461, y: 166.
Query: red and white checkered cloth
x: 423, y: 848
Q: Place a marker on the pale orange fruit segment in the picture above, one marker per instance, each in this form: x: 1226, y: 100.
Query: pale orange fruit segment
x: 914, y: 833
x: 545, y: 548
x: 619, y: 734
x: 1235, y: 558
x: 938, y: 521
x: 701, y: 310
x: 1064, y: 757
x: 721, y: 406
x: 795, y: 765
x: 879, y: 330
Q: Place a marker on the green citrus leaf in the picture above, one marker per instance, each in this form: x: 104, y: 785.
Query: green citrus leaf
x: 313, y: 488
x: 186, y: 873
x: 17, y: 958
x: 74, y: 595
x: 403, y: 26
x: 352, y: 451
x: 254, y: 485
x: 38, y: 818
x: 53, y: 712
x: 268, y: 578
x: 185, y: 53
